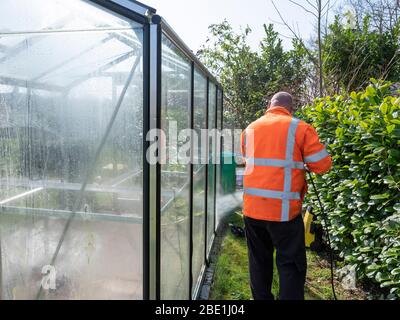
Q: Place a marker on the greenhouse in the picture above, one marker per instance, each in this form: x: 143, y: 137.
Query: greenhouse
x: 82, y: 83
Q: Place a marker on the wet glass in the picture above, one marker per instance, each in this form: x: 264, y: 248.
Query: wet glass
x: 175, y: 174
x: 71, y: 168
x: 212, y: 113
x: 199, y: 176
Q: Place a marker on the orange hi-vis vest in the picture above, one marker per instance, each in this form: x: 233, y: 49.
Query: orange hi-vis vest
x: 276, y: 148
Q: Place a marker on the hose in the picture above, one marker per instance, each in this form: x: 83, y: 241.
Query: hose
x: 327, y: 233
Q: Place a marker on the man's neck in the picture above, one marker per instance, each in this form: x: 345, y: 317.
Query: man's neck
x: 280, y: 107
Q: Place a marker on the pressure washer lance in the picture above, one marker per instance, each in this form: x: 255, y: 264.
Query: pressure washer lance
x: 326, y: 231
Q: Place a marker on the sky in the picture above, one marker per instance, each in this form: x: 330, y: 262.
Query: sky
x: 191, y: 18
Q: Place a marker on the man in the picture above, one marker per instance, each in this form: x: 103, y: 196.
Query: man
x: 277, y: 149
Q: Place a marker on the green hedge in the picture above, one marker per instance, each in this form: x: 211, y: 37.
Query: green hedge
x: 362, y: 193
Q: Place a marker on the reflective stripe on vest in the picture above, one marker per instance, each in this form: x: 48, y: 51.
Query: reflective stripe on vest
x: 291, y: 139
x: 272, y: 194
x: 288, y: 164
x: 317, y: 156
x: 275, y: 163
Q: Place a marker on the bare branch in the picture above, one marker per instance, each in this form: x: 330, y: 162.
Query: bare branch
x: 390, y: 65
x: 312, y: 5
x: 295, y: 35
x: 304, y: 8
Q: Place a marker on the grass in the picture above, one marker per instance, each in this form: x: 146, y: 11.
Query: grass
x: 231, y: 278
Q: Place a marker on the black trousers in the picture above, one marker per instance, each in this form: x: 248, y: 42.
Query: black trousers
x: 288, y: 240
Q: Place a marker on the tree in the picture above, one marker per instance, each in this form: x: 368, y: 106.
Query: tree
x: 251, y: 77
x: 355, y: 55
x: 319, y: 9
x: 345, y: 57
x: 228, y: 55
x: 384, y: 14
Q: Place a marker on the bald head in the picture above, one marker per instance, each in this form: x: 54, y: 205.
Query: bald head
x: 282, y: 99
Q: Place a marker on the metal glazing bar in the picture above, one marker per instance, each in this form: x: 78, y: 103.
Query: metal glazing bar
x: 154, y: 169
x: 191, y: 116
x: 146, y: 166
x: 216, y: 158
x: 206, y: 179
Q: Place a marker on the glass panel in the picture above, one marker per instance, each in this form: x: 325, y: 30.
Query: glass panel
x: 71, y: 165
x: 70, y: 60
x: 82, y: 31
x: 199, y: 176
x: 175, y: 176
x: 218, y: 171
x: 56, y: 15
x: 211, y: 167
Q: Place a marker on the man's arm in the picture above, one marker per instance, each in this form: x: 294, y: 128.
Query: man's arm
x: 315, y: 156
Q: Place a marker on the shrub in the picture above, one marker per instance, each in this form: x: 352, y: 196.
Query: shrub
x: 361, y: 195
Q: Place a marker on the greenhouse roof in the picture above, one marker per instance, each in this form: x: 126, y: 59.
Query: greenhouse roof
x: 27, y: 33
x: 136, y: 6
x: 25, y: 44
